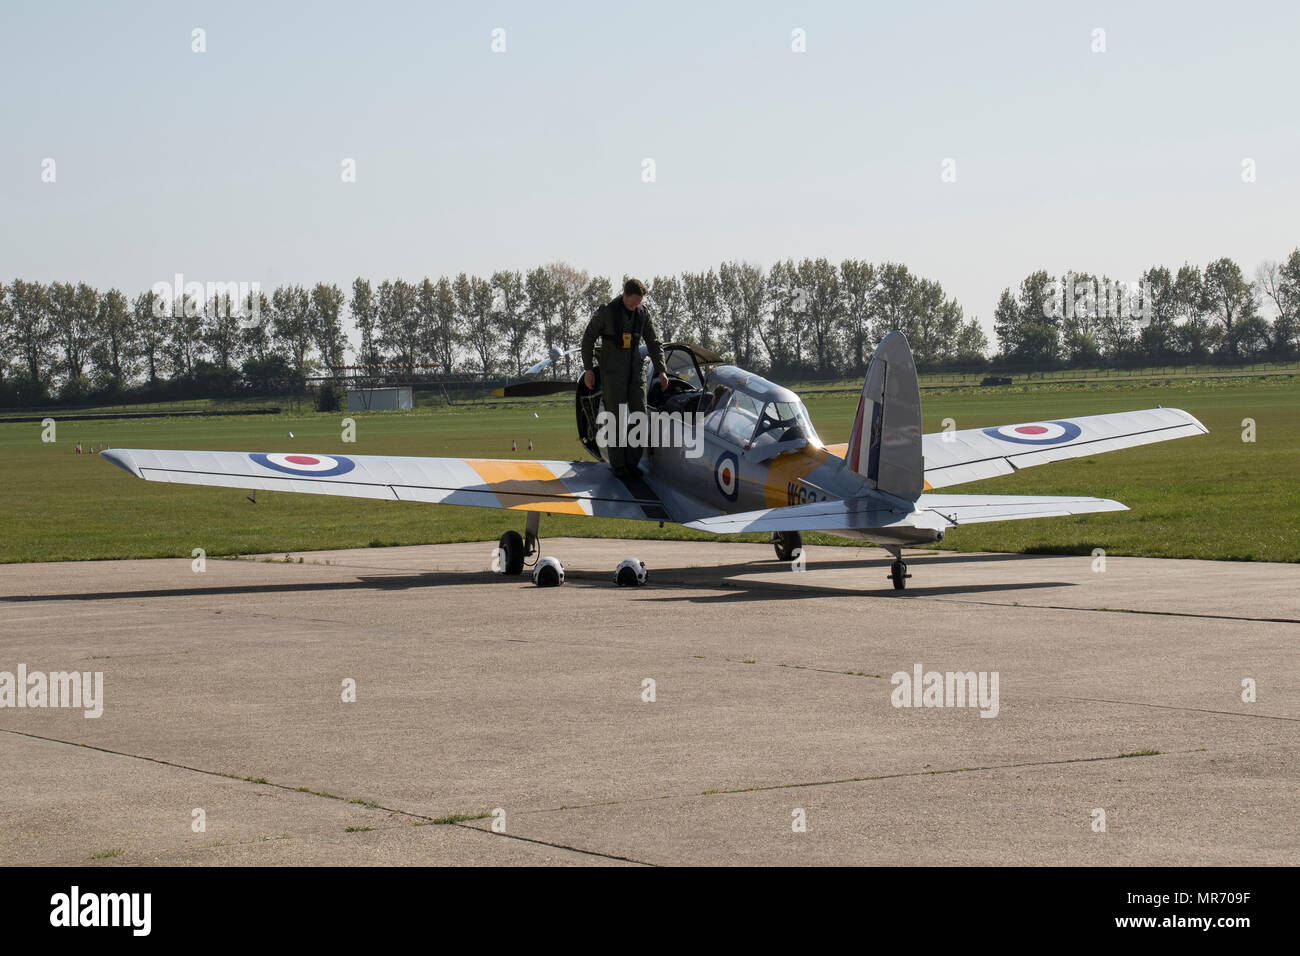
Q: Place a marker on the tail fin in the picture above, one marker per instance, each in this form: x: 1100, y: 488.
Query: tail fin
x: 885, y: 444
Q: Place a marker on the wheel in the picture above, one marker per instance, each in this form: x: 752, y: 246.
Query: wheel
x: 512, y: 552
x: 787, y: 543
x: 898, y: 574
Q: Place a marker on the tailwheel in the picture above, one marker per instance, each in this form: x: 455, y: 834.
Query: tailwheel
x: 898, y: 574
x: 787, y: 544
x: 512, y: 552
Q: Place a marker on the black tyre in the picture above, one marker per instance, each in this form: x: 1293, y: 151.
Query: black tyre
x: 898, y: 574
x: 512, y: 552
x: 787, y: 543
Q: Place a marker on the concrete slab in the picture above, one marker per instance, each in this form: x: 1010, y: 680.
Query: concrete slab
x: 772, y: 691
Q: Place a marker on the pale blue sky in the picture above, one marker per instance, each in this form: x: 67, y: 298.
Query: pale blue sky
x: 226, y: 165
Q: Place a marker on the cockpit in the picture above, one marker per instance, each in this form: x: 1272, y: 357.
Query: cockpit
x: 738, y: 406
x: 747, y: 420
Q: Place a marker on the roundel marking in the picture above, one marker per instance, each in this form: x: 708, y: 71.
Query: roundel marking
x: 313, y: 466
x: 1036, y: 433
x: 726, y: 474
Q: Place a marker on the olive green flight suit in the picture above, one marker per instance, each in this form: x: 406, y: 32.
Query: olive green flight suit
x: 613, y: 340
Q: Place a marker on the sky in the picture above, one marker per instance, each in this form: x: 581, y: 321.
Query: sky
x: 227, y: 164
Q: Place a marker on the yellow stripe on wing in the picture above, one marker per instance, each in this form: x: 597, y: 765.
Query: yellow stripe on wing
x: 526, y: 486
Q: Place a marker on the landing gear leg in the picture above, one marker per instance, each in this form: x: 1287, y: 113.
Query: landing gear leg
x: 531, y: 538
x: 898, y: 570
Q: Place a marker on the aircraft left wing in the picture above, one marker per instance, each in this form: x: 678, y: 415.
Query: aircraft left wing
x: 931, y: 512
x: 973, y: 454
x: 555, y: 487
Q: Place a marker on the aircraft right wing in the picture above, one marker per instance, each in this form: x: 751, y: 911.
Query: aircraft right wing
x: 556, y: 487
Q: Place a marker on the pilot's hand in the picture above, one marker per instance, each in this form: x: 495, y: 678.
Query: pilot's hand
x: 663, y: 381
x: 589, y: 378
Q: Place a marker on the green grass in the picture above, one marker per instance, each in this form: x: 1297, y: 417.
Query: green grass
x: 1207, y: 497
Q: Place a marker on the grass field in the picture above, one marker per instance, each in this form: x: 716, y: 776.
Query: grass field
x: 1213, y: 496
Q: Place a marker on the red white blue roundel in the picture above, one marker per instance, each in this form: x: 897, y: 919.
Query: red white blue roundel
x: 726, y: 474
x: 1036, y: 433
x: 310, y: 466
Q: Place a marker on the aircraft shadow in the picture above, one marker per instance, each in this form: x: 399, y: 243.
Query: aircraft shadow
x: 686, y: 577
x: 758, y: 593
x: 401, y: 582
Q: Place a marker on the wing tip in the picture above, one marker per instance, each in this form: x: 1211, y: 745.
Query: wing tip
x: 1188, y: 416
x: 122, y: 458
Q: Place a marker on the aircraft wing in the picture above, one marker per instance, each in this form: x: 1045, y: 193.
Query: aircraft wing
x: 974, y: 454
x: 555, y: 487
x: 932, y: 512
x: 956, y: 457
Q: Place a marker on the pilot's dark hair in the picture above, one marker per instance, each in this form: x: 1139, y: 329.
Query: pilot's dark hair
x: 634, y: 287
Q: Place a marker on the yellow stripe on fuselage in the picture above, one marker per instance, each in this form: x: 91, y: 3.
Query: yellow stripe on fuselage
x: 526, y: 486
x: 777, y: 486
x: 785, y: 469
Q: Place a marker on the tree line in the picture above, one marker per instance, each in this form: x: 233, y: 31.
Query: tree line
x: 810, y: 317
x: 1188, y: 315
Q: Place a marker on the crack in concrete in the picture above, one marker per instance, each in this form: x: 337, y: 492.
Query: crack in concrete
x: 868, y: 779
x: 367, y: 804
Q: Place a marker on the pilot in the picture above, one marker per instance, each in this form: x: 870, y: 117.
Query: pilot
x: 613, y: 341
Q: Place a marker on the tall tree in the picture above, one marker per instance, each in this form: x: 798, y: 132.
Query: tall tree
x: 30, y: 334
x: 665, y: 297
x: 185, y: 333
x: 75, y: 309
x: 149, y: 313
x: 782, y: 330
x: 327, y: 324
x: 742, y: 292
x: 398, y: 322
x: 480, y: 333
x: 1284, y: 292
x: 291, y: 325
x: 890, y: 300
x: 1156, y: 335
x: 117, y: 337
x: 595, y: 293
x: 543, y: 307
x: 222, y: 332
x: 510, y: 314
x: 858, y: 287
x: 255, y: 339
x: 362, y: 307
x: 436, y: 304
x: 701, y: 307
x: 820, y: 282
x: 571, y: 315
x: 1196, y: 335
x: 1229, y: 296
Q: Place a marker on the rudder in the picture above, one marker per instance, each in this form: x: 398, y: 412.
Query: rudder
x: 885, y: 443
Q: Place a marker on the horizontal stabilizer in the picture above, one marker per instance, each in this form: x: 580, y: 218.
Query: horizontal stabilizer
x: 933, y: 512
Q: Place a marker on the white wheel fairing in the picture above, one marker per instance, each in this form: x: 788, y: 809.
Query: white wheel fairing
x: 310, y: 466
x: 1036, y: 433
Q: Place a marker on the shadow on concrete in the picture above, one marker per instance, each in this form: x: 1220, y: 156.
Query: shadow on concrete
x: 740, y: 593
x: 730, y: 576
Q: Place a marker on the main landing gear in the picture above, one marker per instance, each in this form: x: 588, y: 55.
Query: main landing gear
x: 787, y: 544
x: 514, y: 549
x: 898, y: 570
